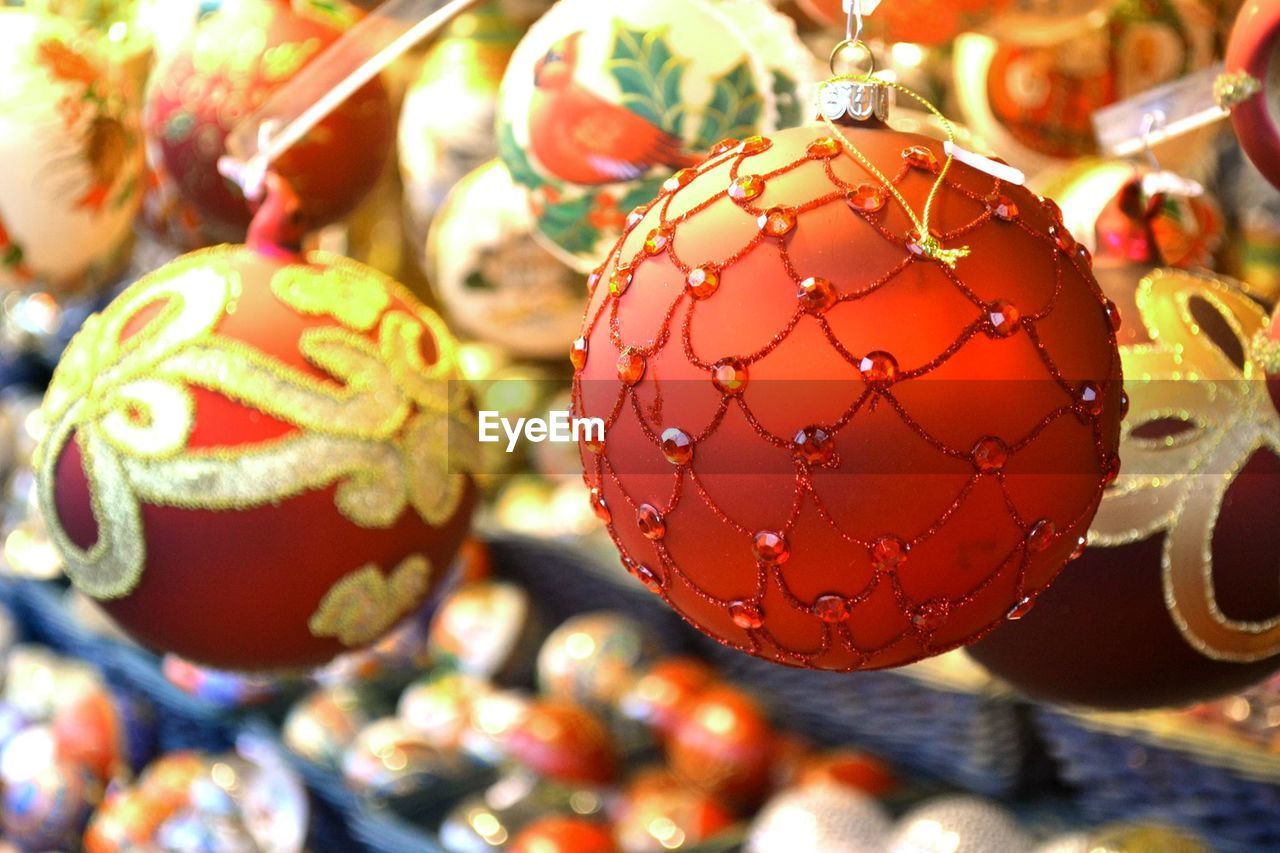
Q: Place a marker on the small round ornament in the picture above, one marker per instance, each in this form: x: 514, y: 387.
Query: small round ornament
x: 233, y: 61
x: 657, y: 812
x: 591, y: 658
x: 564, y: 743
x: 488, y: 630
x: 1249, y: 71
x: 320, y: 726
x: 871, y: 445
x: 851, y: 769
x: 266, y: 437
x: 564, y: 835
x: 446, y: 122
x: 439, y: 707
x: 958, y: 824
x: 71, y: 142
x: 1174, y: 603
x: 495, y: 718
x: 602, y: 104
x: 89, y: 732
x: 661, y: 697
x: 724, y: 745
x: 127, y: 820
x: 45, y: 800
x: 388, y: 760
x: 834, y: 820
x: 493, y: 278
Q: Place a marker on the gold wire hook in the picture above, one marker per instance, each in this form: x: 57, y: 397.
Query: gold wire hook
x: 853, y: 42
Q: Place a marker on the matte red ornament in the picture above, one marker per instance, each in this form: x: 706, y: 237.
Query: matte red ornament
x: 657, y: 813
x: 247, y: 461
x: 565, y: 743
x: 868, y: 498
x: 724, y: 746
x: 230, y: 65
x: 1177, y: 599
x: 661, y: 698
x: 564, y: 835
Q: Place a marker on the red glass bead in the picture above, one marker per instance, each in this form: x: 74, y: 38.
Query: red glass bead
x: 1081, y: 544
x: 1113, y: 315
x: 746, y: 615
x: 1021, y: 609
x: 1004, y: 318
x: 990, y: 455
x: 631, y: 367
x: 888, y: 552
x: 724, y: 146
x: 930, y: 616
x: 778, y: 222
x: 1111, y: 471
x: 652, y: 577
x: 599, y: 507
x: 680, y: 179
x: 620, y: 281
x: 771, y: 547
x: 746, y: 188
x: 1041, y: 535
x: 920, y: 157
x: 634, y: 217
x: 729, y: 376
x: 650, y: 521
x: 814, y: 445
x: 756, y: 144
x: 824, y: 148
x: 831, y: 608
x: 1004, y: 209
x: 677, y: 446
x: 867, y: 198
x: 816, y: 295
x: 703, y: 282
x: 1089, y: 399
x: 878, y: 368
x: 658, y: 240
x: 578, y: 354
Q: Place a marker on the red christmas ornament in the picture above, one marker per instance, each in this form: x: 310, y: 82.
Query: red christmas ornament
x: 662, y: 696
x: 657, y: 812
x: 1251, y: 53
x: 565, y: 743
x: 247, y: 460
x: 724, y: 746
x: 231, y: 63
x: 858, y: 771
x: 920, y: 21
x: 564, y: 835
x: 909, y: 451
x: 1178, y: 600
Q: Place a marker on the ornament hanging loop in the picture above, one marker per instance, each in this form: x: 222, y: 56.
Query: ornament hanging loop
x: 850, y: 54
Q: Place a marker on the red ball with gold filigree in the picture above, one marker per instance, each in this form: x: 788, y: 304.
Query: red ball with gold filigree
x: 829, y: 442
x: 247, y: 458
x: 230, y: 65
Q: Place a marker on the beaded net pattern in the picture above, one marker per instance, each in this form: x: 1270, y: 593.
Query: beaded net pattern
x: 778, y: 540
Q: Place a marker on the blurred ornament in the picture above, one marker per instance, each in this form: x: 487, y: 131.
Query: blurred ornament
x: 495, y: 718
x: 191, y: 831
x: 661, y: 697
x: 958, y: 824
x: 592, y: 658
x: 234, y: 60
x: 793, y: 460
x: 564, y: 835
x: 599, y: 103
x: 389, y: 760
x: 833, y: 820
x: 72, y: 148
x: 173, y: 467
x: 320, y: 726
x: 1175, y: 603
x: 126, y: 821
x: 439, y: 707
x: 89, y: 732
x: 851, y: 769
x: 37, y: 681
x: 226, y: 689
x: 1249, y: 71
x: 44, y: 800
x: 488, y: 630
x: 724, y: 745
x: 1143, y: 838
x: 1034, y: 103
x: 1048, y: 22
x: 496, y: 282
x: 916, y: 21
x: 167, y: 781
x: 403, y: 651
x: 1252, y: 208
x: 657, y: 812
x: 272, y: 797
x: 534, y: 506
x: 563, y: 743
x: 446, y: 123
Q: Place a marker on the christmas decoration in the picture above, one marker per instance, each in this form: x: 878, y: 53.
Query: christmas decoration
x: 1177, y: 603
x: 661, y: 697
x: 832, y: 442
x: 71, y: 146
x: 724, y: 746
x: 1250, y: 57
x: 487, y: 630
x: 590, y: 659
x: 495, y: 280
x: 265, y: 437
x: 820, y: 818
x: 957, y: 824
x: 918, y: 21
x: 658, y: 813
x: 858, y: 771
x: 388, y: 759
x: 602, y: 103
x: 439, y: 708
x: 564, y: 835
x: 321, y: 725
x: 1035, y: 103
x: 562, y: 742
x: 233, y: 61
x: 446, y: 123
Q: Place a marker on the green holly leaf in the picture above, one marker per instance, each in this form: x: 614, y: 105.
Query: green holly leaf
x: 566, y: 225
x: 735, y: 108
x: 650, y: 76
x: 787, y: 95
x: 515, y: 159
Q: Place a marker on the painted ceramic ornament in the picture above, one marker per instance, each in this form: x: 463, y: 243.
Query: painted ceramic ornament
x: 488, y: 630
x: 496, y: 282
x: 602, y: 103
x: 71, y: 142
x: 446, y: 123
x: 232, y: 62
x: 1033, y: 102
x: 1176, y: 602
x: 790, y: 461
x: 265, y: 436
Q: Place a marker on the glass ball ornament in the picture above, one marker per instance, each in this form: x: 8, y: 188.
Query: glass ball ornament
x: 71, y: 142
x: 593, y: 657
x: 602, y: 104
x: 321, y: 725
x: 266, y: 437
x: 824, y: 818
x: 958, y: 824
x: 838, y: 504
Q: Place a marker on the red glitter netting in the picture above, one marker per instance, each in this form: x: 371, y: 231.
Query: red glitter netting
x: 825, y: 447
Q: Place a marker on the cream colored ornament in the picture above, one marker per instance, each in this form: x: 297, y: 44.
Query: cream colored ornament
x: 496, y: 282
x: 603, y: 102
x: 446, y: 124
x: 70, y: 158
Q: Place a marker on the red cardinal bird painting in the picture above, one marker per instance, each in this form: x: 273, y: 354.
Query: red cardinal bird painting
x: 581, y: 138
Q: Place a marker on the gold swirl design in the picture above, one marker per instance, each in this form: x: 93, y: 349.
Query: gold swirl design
x: 1179, y: 483
x: 379, y: 430
x: 364, y: 605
